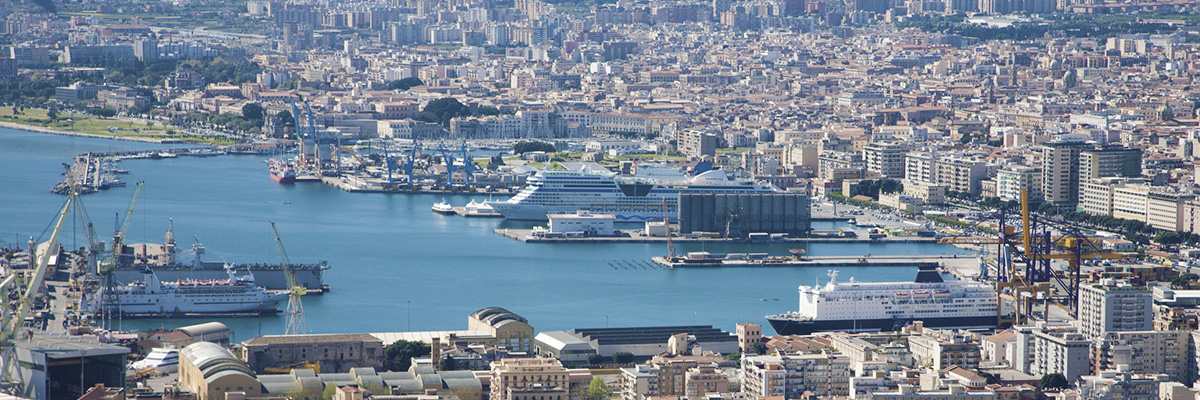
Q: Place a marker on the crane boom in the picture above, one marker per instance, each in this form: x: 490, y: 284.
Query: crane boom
x: 295, y: 310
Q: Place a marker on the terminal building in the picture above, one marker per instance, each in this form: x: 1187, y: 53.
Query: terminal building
x: 739, y: 215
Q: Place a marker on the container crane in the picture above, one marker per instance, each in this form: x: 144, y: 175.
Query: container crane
x: 295, y: 310
x: 11, y: 321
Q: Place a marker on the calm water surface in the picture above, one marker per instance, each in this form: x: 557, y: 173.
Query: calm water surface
x: 387, y: 250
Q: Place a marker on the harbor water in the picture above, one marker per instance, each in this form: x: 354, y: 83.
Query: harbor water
x: 394, y: 263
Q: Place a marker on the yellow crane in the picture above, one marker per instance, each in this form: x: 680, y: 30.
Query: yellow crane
x: 295, y: 310
x: 11, y: 322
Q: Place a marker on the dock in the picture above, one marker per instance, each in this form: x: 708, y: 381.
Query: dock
x: 629, y: 236
x: 87, y: 171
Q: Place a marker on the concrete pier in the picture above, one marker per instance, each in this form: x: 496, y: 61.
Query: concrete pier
x: 630, y: 236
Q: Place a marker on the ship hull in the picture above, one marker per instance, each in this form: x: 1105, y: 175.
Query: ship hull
x: 283, y: 178
x: 787, y: 326
x: 524, y: 212
x: 185, y: 304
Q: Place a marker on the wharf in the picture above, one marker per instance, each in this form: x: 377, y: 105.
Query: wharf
x: 629, y: 236
x: 462, y: 212
x: 86, y: 172
x: 958, y: 266
x: 199, y: 315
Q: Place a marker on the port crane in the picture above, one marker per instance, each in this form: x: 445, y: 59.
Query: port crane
x: 105, y: 268
x: 410, y: 162
x: 11, y: 321
x: 295, y: 310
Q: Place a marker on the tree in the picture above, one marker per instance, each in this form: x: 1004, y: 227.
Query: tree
x: 760, y: 348
x: 329, y: 392
x: 595, y: 359
x: 622, y: 357
x: 487, y: 110
x: 1054, y: 381
x: 735, y: 357
x: 253, y: 111
x: 404, y: 84
x: 525, y: 147
x: 598, y: 390
x: 448, y: 364
x: 440, y: 111
x: 286, y: 118
x: 52, y: 114
x: 991, y: 379
x: 1168, y: 239
x: 398, y: 356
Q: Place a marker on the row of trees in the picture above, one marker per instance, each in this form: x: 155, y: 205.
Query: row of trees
x: 872, y: 187
x: 533, y: 145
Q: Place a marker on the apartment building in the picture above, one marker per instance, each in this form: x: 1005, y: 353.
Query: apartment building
x: 1040, y: 350
x: 515, y: 375
x: 836, y: 166
x: 1060, y: 169
x: 885, y: 159
x: 1145, y: 352
x: 1110, y: 161
x: 941, y: 349
x: 698, y: 143
x: 704, y: 379
x: 639, y: 382
x: 1012, y: 179
x: 1136, y: 200
x: 1112, y: 306
x: 825, y: 374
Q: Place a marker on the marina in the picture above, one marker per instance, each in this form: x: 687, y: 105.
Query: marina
x: 635, y: 236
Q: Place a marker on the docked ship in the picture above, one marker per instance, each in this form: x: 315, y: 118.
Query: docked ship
x: 888, y: 306
x: 163, y: 259
x: 236, y: 294
x: 281, y: 172
x: 443, y: 208
x: 637, y: 198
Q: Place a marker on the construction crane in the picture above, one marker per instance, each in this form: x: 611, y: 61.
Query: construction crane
x: 105, y: 268
x: 11, y: 321
x: 295, y: 310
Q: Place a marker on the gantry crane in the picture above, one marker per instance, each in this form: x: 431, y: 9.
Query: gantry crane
x: 295, y: 310
x: 11, y: 320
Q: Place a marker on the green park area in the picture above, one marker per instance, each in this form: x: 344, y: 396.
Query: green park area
x: 100, y: 126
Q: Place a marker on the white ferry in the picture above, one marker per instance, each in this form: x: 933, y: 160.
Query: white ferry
x: 888, y: 306
x: 235, y: 295
x: 639, y: 198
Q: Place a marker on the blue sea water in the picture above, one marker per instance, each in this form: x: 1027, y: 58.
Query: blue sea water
x: 387, y: 250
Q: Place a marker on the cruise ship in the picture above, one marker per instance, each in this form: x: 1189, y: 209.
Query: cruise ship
x: 235, y: 295
x: 638, y: 198
x: 888, y: 306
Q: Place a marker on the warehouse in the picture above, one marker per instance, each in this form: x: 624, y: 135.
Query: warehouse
x: 739, y: 215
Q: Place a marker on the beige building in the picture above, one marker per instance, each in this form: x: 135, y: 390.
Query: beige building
x: 825, y: 374
x: 942, y: 349
x: 335, y: 352
x: 704, y: 379
x: 1060, y: 169
x: 1046, y: 350
x: 748, y: 334
x: 639, y: 382
x: 210, y: 371
x: 509, y: 329
x: 885, y: 159
x: 1145, y: 352
x: 521, y: 376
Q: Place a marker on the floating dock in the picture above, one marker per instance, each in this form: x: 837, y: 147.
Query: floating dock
x: 821, y: 262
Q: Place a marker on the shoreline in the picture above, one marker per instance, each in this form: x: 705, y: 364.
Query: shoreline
x: 39, y: 129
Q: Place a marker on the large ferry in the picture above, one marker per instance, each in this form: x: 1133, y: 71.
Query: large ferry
x: 888, y: 306
x: 588, y: 186
x: 235, y: 295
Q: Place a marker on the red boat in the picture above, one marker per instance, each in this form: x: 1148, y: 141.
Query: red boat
x: 282, y: 173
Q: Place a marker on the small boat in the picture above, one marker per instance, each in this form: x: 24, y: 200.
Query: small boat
x: 443, y: 208
x: 797, y: 251
x: 852, y: 221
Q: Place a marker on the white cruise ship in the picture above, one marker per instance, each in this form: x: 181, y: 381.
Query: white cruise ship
x: 888, y: 306
x: 584, y: 186
x: 161, y: 359
x: 236, y: 295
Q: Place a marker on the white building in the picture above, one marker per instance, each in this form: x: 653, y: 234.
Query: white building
x: 1112, y: 306
x: 582, y: 221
